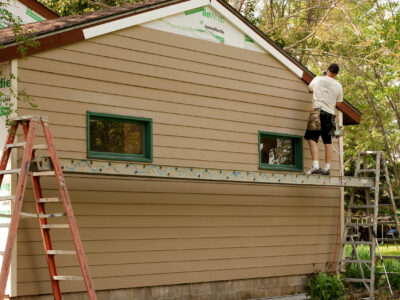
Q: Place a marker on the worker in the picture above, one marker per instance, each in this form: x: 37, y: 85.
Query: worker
x: 327, y: 91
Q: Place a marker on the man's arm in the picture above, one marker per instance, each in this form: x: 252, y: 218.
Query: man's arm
x: 312, y: 84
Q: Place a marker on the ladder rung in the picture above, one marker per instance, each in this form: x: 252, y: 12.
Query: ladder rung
x: 23, y: 145
x: 385, y: 205
x: 358, y: 243
x: 42, y: 216
x: 16, y: 145
x: 58, y: 277
x: 47, y: 200
x: 360, y: 224
x: 387, y: 222
x: 363, y: 206
x: 44, y: 173
x: 61, y: 252
x: 357, y: 280
x: 367, y: 171
x: 391, y: 257
x: 11, y: 171
x: 55, y: 226
x: 389, y: 273
x: 40, y: 147
x: 354, y: 235
x: 388, y: 240
x: 30, y: 118
x: 7, y: 198
x: 5, y: 216
x: 371, y: 152
x: 351, y: 261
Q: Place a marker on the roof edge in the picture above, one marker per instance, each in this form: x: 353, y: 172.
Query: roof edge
x: 82, y: 31
x: 40, y: 9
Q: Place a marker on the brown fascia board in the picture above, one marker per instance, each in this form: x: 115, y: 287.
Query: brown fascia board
x: 74, y: 34
x: 40, y: 9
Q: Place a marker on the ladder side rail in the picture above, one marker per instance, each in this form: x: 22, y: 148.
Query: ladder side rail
x: 346, y: 228
x: 7, y: 151
x: 384, y: 267
x: 348, y: 216
x: 69, y: 212
x: 359, y: 265
x: 16, y: 211
x: 390, y: 190
x: 37, y: 191
x: 375, y: 222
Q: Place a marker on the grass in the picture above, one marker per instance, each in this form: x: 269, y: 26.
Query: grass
x: 392, y: 265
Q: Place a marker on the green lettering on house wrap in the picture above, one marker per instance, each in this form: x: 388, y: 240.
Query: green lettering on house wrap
x: 4, y: 82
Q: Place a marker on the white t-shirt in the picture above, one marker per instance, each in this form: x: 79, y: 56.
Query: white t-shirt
x: 327, y: 91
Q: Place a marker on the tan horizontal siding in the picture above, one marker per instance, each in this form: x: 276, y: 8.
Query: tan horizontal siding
x: 207, y: 102
x: 108, y: 46
x: 222, y: 79
x: 140, y: 257
x: 168, y: 267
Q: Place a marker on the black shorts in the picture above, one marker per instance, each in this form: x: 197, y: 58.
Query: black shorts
x: 326, y: 127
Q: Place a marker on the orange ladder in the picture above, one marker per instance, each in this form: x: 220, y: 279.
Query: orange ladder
x: 29, y: 126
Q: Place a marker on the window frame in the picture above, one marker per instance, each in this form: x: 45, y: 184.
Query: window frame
x: 298, y: 148
x: 147, y: 123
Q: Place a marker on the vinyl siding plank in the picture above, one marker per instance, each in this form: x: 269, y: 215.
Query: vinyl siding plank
x: 184, y: 84
x: 97, y: 209
x: 109, y: 258
x: 91, y: 242
x: 143, y: 234
x: 42, y: 274
x: 118, y: 62
x: 198, y: 45
x: 82, y: 196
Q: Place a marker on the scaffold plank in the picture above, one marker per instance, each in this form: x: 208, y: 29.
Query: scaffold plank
x: 151, y: 170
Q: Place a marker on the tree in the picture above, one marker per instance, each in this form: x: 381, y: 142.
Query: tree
x: 24, y: 41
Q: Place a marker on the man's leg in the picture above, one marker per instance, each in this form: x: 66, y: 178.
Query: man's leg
x: 313, y: 149
x: 328, y: 159
x: 328, y: 153
x: 315, y: 169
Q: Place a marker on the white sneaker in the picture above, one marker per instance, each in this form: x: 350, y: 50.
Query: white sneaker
x: 313, y: 170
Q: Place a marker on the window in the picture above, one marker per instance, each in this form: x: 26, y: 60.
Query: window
x: 278, y: 151
x: 119, y: 137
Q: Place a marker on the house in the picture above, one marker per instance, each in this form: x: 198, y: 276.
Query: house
x: 179, y: 126
x: 29, y: 11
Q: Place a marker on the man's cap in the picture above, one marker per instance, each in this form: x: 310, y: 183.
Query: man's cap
x: 334, y: 68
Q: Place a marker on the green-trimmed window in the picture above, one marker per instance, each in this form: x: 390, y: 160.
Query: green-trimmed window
x: 278, y: 151
x: 119, y: 137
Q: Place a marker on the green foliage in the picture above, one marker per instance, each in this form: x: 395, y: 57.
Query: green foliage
x: 326, y: 287
x: 24, y: 40
x: 74, y: 7
x: 393, y: 268
x: 353, y: 271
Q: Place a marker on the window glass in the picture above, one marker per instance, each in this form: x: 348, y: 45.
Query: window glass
x: 280, y: 151
x: 277, y: 151
x: 116, y: 136
x: 119, y: 137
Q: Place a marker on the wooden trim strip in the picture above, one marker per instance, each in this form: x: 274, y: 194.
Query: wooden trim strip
x: 40, y: 9
x: 352, y: 117
x: 98, y: 167
x: 46, y: 43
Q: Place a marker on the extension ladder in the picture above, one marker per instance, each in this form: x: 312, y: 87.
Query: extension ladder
x: 370, y: 208
x: 29, y: 126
